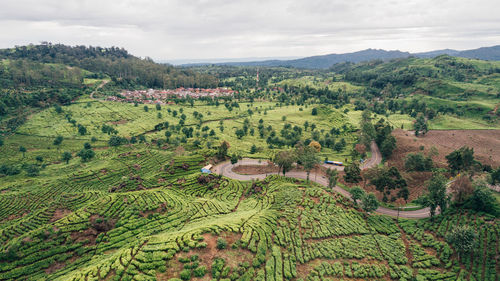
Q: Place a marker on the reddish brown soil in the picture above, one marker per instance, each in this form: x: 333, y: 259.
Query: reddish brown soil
x: 486, y: 143
x: 255, y: 169
x: 206, y: 256
x: 59, y: 214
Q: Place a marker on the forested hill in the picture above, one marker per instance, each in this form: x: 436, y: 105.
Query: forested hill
x: 40, y: 75
x: 114, y: 62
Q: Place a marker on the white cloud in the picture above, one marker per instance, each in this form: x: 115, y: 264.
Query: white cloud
x: 176, y: 29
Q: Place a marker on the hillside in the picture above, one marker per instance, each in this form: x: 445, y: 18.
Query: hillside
x: 37, y: 76
x: 326, y: 61
x: 101, y: 178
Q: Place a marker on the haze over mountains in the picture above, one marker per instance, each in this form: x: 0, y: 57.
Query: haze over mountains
x: 326, y: 61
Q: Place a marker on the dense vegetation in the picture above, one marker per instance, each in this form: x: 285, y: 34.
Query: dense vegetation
x: 39, y: 75
x: 92, y: 189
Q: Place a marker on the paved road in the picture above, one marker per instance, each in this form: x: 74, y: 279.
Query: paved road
x: 226, y: 169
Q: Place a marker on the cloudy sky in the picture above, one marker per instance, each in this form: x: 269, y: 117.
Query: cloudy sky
x: 203, y: 29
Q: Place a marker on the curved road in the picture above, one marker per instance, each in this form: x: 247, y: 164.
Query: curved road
x: 226, y: 169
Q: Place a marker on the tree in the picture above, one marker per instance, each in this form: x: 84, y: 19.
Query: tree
x: 483, y: 199
x: 66, y: 156
x: 222, y: 150
x: 253, y: 149
x: 58, y: 140
x: 418, y: 162
x: 284, y: 159
x: 388, y: 146
x: 82, y: 130
x: 314, y: 111
x: 460, y: 159
x: 494, y: 175
x: 146, y: 108
x: 240, y: 133
x: 234, y: 159
x: 331, y: 175
x: 1, y: 141
x: 461, y: 188
x: 462, y: 238
x: 420, y: 125
x: 352, y: 173
x: 369, y: 202
x: 86, y: 154
x: 116, y: 140
x: 367, y: 129
x: 158, y: 106
x: 22, y: 149
x: 39, y: 159
x: 32, y: 170
x: 316, y: 145
x: 437, y: 193
x: 387, y: 180
x: 357, y: 193
x: 308, y: 158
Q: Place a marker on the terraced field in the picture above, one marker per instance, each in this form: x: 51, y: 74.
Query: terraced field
x: 177, y: 223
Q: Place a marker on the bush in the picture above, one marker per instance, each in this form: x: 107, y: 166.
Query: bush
x: 418, y: 162
x: 200, y: 271
x: 221, y: 243
x: 185, y: 274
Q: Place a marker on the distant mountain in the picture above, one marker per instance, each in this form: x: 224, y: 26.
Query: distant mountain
x: 326, y: 61
x: 484, y: 53
x: 436, y: 53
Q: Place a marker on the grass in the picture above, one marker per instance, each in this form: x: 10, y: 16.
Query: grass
x: 133, y: 121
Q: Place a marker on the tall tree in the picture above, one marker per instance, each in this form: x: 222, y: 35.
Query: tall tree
x: 461, y: 188
x: 369, y: 202
x: 22, y: 149
x: 352, y: 173
x: 357, y: 193
x: 462, y: 238
x: 387, y: 180
x: 308, y: 157
x: 420, y: 126
x: 285, y: 159
x: 66, y: 156
x: 437, y: 193
x: 332, y: 177
x: 461, y: 159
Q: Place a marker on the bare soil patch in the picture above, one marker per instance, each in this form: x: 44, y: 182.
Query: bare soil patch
x: 233, y: 257
x: 59, y: 214
x: 255, y: 169
x: 486, y: 144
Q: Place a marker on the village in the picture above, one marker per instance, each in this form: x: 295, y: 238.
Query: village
x: 152, y: 96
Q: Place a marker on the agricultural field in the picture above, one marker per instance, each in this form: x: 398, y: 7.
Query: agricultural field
x: 93, y: 189
x: 167, y: 222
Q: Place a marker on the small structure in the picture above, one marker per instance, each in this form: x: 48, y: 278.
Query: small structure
x: 335, y: 163
x: 206, y: 169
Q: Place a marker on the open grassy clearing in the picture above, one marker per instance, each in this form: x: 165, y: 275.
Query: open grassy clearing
x: 130, y: 120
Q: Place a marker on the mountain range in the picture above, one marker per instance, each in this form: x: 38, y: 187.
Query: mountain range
x: 326, y: 61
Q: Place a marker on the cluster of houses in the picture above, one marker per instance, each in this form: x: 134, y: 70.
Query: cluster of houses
x: 162, y: 96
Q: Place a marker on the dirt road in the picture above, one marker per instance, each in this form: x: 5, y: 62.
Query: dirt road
x: 226, y: 169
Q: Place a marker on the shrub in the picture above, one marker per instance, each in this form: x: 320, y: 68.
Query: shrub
x: 221, y: 243
x: 185, y: 274
x: 200, y: 271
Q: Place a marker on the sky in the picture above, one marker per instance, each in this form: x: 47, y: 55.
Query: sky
x: 173, y: 30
